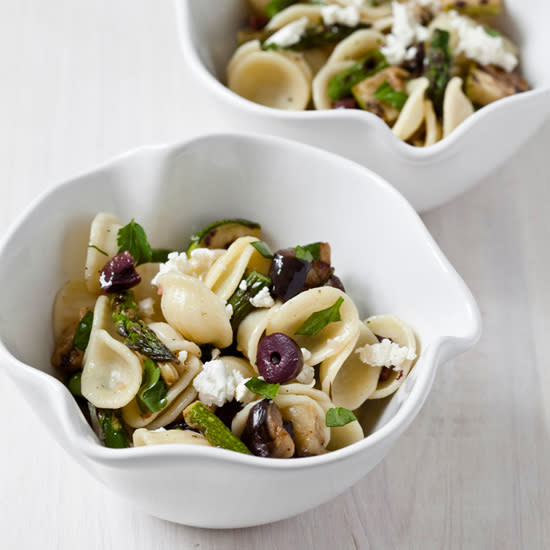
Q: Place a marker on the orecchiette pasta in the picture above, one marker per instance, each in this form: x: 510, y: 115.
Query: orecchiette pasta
x: 239, y: 348
x: 446, y: 53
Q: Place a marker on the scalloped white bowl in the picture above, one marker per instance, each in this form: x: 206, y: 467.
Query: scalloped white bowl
x: 427, y: 177
x: 381, y: 250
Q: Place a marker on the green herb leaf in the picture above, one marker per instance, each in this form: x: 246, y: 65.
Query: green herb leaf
x: 98, y: 249
x: 261, y: 387
x: 263, y: 249
x: 114, y: 433
x: 160, y: 254
x: 151, y: 395
x: 82, y: 333
x: 74, y: 384
x: 309, y: 252
x: 137, y: 335
x: 491, y: 32
x: 385, y: 92
x: 275, y: 6
x: 317, y: 321
x: 339, y: 416
x: 132, y: 238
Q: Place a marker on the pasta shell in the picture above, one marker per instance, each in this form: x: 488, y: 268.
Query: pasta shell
x: 293, y: 13
x: 240, y: 53
x: 103, y: 235
x: 308, y: 422
x: 194, y: 310
x: 389, y: 326
x: 342, y: 436
x: 321, y: 100
x: 250, y: 332
x: 226, y: 273
x: 271, y: 79
x: 111, y: 376
x: 69, y: 300
x: 456, y: 106
x: 333, y: 337
x: 433, y: 129
x: 357, y: 45
x: 412, y: 114
x: 179, y: 395
x: 142, y: 437
x: 347, y: 380
x: 368, y: 13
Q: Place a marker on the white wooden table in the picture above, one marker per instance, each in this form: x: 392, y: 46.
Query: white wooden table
x: 82, y: 81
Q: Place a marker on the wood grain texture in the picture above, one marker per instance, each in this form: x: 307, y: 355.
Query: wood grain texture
x: 85, y: 80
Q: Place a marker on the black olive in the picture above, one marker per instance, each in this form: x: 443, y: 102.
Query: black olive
x: 279, y: 358
x: 119, y: 273
x: 265, y: 434
x: 288, y: 274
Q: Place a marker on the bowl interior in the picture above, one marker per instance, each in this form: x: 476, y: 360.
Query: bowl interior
x: 381, y: 249
x: 213, y: 27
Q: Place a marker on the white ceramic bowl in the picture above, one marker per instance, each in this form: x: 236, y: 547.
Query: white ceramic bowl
x: 427, y: 177
x: 381, y: 250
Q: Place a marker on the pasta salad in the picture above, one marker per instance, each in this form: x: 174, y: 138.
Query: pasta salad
x: 422, y: 66
x: 225, y: 344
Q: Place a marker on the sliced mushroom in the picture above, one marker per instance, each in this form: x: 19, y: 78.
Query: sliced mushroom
x: 144, y: 437
x: 265, y: 434
x: 487, y: 83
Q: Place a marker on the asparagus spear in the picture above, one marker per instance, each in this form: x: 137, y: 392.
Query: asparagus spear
x: 438, y: 70
x: 114, y: 433
x: 137, y: 335
x: 240, y: 299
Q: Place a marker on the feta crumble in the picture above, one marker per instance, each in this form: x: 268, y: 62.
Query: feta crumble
x: 182, y: 356
x: 306, y: 375
x: 218, y: 383
x: 477, y: 44
x: 243, y: 286
x: 289, y: 34
x: 262, y: 299
x: 146, y: 307
x: 306, y: 354
x: 348, y: 16
x: 385, y: 354
x: 229, y: 310
x: 405, y: 30
x: 197, y: 264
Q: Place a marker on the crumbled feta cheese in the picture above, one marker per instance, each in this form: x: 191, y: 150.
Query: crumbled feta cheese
x: 477, y: 44
x: 385, y: 354
x: 243, y: 286
x: 197, y: 264
x: 215, y: 353
x: 289, y: 34
x: 348, y: 16
x: 229, y: 310
x: 306, y: 375
x: 405, y: 30
x: 217, y: 383
x: 146, y: 307
x: 262, y: 299
x: 306, y: 354
x: 182, y: 356
x: 243, y: 394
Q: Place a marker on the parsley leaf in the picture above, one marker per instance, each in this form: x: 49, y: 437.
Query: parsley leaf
x: 385, y: 92
x: 151, y: 395
x: 82, y: 333
x: 262, y: 388
x: 339, y: 416
x: 309, y: 252
x: 263, y: 249
x: 491, y: 32
x: 132, y: 238
x: 317, y: 321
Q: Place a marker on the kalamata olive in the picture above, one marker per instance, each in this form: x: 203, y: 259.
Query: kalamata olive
x: 119, y: 273
x: 288, y: 274
x: 279, y: 358
x: 265, y: 434
x: 257, y: 22
x: 346, y: 103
